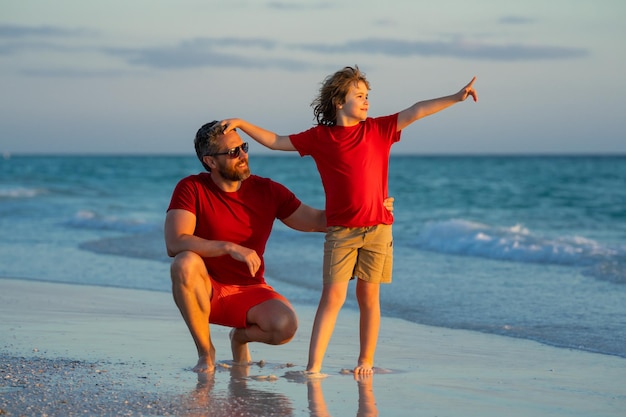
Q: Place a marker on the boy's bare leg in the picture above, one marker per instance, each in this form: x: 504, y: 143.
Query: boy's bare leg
x: 317, y: 404
x: 332, y: 299
x: 368, y: 296
x: 367, y: 402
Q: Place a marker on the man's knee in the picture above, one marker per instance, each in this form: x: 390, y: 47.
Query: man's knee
x: 187, y: 266
x: 276, y: 319
x: 284, y: 326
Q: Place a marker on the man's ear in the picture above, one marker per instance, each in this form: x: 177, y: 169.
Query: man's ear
x: 209, y: 161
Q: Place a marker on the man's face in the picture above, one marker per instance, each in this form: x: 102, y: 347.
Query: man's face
x: 232, y: 168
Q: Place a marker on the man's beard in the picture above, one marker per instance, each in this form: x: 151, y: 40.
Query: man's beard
x: 234, y: 173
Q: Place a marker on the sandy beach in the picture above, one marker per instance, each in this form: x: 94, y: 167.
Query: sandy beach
x: 69, y: 350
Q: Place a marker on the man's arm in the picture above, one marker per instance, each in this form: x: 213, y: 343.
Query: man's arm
x: 426, y: 108
x: 308, y: 219
x: 264, y: 137
x: 179, y: 228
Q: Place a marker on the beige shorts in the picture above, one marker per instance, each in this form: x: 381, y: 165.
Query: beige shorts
x: 358, y: 252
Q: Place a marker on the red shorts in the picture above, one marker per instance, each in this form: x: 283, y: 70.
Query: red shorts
x: 230, y: 303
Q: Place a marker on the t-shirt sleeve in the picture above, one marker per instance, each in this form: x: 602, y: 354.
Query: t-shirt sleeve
x: 287, y: 202
x: 388, y: 126
x: 184, y: 196
x: 302, y: 141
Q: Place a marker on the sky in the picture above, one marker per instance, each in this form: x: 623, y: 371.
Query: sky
x: 141, y: 76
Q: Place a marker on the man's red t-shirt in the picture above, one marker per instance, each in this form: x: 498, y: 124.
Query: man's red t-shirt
x: 353, y: 163
x: 244, y: 217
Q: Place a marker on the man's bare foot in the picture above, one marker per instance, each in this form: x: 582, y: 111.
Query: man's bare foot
x: 239, y: 372
x: 241, y: 353
x: 205, y: 364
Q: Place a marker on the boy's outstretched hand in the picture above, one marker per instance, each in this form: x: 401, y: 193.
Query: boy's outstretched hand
x: 468, y: 90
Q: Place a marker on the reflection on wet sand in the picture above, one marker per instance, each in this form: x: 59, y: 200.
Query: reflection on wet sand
x: 236, y: 400
x: 367, y: 402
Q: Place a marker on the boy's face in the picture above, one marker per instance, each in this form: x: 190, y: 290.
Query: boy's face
x: 356, y: 104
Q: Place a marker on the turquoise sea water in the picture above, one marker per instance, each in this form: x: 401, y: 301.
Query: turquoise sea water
x: 527, y: 247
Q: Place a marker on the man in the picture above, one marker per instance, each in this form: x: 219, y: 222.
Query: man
x: 216, y: 228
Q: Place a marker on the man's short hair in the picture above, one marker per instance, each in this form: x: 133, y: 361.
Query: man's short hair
x: 206, y: 141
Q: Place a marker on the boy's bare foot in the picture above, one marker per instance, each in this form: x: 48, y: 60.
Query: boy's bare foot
x: 304, y: 376
x: 241, y: 353
x: 310, y: 369
x: 364, y: 380
x: 364, y: 369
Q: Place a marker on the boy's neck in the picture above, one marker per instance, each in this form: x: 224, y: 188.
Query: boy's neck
x: 346, y: 121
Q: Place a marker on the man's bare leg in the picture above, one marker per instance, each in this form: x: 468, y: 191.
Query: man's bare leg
x: 272, y: 322
x: 241, y: 353
x: 191, y: 288
x: 368, y: 296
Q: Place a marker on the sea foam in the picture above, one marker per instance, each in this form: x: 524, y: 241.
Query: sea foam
x: 21, y: 192
x: 515, y: 243
x: 87, y: 219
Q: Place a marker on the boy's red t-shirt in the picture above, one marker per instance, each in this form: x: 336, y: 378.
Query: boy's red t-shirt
x: 245, y: 217
x: 353, y: 163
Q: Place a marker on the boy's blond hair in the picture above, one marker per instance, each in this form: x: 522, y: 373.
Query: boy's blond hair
x: 333, y: 93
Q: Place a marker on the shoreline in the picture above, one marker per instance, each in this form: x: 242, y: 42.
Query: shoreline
x: 80, y: 350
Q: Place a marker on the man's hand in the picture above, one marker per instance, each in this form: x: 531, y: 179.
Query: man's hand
x: 249, y: 256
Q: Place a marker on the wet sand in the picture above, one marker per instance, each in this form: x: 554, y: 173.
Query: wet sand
x: 69, y: 350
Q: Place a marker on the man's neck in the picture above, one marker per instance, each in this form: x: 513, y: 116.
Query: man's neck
x: 224, y: 184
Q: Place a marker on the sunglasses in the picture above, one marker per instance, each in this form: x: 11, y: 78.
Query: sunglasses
x: 233, y: 152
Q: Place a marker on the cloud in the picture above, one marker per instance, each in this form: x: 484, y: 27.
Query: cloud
x: 295, y: 6
x: 17, y: 32
x: 385, y: 22
x: 515, y: 20
x: 15, y: 47
x: 204, y: 52
x: 266, y: 53
x: 456, y: 49
x: 72, y: 73
x: 247, y: 53
x: 16, y: 39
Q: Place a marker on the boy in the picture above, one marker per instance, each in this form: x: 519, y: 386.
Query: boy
x: 351, y: 152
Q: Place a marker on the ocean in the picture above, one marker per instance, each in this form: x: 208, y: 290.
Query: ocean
x: 530, y: 247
